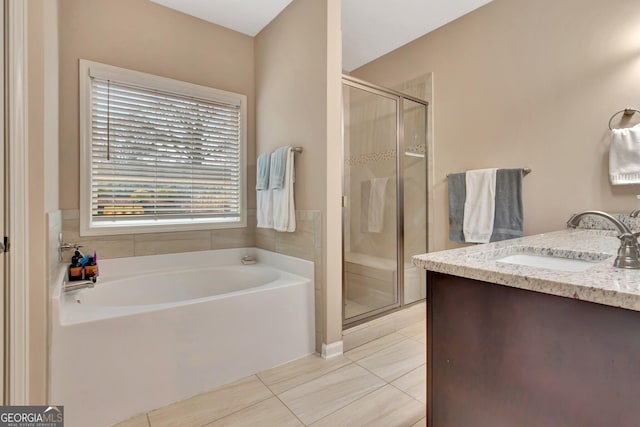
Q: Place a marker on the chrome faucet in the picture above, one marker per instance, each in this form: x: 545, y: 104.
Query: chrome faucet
x: 634, y: 213
x: 81, y: 284
x: 62, y: 246
x: 629, y: 251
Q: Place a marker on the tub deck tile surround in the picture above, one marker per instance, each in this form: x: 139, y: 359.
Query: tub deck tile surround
x: 172, y: 242
x: 315, y: 392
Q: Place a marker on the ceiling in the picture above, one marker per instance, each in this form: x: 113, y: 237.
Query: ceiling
x: 370, y: 28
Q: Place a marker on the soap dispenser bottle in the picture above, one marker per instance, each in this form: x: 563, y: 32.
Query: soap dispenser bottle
x: 75, y: 268
x: 91, y: 269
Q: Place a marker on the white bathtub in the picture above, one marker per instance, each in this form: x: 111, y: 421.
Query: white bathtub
x: 159, y: 329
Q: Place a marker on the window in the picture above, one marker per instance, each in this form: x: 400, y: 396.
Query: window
x: 158, y: 154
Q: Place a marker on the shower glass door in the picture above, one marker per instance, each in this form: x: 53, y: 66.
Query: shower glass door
x: 370, y: 227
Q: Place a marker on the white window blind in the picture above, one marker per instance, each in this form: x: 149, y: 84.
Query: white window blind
x: 160, y: 157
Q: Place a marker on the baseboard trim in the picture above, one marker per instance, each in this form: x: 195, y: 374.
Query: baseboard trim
x: 329, y: 351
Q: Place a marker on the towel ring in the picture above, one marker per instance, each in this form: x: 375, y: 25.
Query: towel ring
x: 626, y: 111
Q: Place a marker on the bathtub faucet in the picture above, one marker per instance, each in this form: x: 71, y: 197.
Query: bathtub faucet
x: 81, y: 284
x: 62, y: 246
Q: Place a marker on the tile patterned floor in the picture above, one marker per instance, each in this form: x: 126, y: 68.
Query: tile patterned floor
x: 381, y: 383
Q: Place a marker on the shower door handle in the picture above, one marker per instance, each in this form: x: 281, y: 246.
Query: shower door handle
x: 344, y: 201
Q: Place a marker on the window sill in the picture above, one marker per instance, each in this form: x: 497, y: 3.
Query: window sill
x: 107, y: 229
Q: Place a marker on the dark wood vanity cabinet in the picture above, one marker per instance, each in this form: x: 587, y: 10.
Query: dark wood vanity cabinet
x: 501, y: 356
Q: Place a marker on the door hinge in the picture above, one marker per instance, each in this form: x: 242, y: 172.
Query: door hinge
x: 4, y: 245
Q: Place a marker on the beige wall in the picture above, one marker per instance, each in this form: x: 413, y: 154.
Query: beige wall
x: 293, y: 54
x: 143, y: 36
x: 291, y: 93
x: 42, y: 37
x: 51, y: 97
x: 520, y: 83
x: 332, y: 219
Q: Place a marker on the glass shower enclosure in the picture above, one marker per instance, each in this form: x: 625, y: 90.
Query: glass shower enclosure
x: 384, y: 199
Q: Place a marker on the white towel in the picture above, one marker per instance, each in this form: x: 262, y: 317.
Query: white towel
x: 624, y: 156
x: 264, y: 202
x: 479, y: 205
x: 284, y: 211
x: 376, y: 204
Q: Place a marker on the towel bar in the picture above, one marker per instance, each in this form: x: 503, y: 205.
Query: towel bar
x: 626, y: 111
x: 525, y: 171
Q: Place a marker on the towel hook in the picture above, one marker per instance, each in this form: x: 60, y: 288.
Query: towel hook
x: 626, y: 112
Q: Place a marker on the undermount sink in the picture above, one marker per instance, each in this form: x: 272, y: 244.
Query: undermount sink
x: 551, y: 261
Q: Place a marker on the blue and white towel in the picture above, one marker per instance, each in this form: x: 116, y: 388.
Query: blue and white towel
x: 279, y: 163
x: 284, y: 211
x: 264, y: 197
x: 262, y: 172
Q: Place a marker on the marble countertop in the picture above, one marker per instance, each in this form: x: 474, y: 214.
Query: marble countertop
x: 601, y: 283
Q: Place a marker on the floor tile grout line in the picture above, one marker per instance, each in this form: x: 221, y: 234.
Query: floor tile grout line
x: 350, y: 362
x: 348, y: 404
x: 383, y: 379
x: 331, y: 370
x: 285, y: 405
x: 291, y: 411
x: 315, y: 378
x: 410, y: 326
x: 407, y: 394
x: 234, y: 412
x: 418, y: 341
x: 386, y: 348
x: 416, y: 368
x: 378, y: 351
x: 373, y: 373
